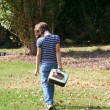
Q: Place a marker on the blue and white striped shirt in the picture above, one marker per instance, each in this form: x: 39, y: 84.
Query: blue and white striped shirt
x: 48, y: 44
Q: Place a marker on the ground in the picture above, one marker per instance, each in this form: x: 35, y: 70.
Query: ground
x: 95, y: 57
x: 88, y: 86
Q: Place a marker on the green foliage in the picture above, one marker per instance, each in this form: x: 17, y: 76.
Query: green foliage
x: 5, y: 14
x: 26, y: 13
x: 51, y: 12
x: 86, y: 20
x: 67, y: 42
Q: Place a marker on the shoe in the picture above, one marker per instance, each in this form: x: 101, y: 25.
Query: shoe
x: 49, y: 107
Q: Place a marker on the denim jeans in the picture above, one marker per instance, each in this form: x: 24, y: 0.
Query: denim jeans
x: 48, y: 89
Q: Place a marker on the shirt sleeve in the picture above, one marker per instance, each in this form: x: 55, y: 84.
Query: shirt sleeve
x: 57, y: 39
x: 39, y: 43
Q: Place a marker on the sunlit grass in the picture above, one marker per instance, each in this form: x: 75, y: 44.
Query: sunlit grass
x: 86, y: 48
x: 14, y: 51
x: 64, y: 49
x: 87, y: 89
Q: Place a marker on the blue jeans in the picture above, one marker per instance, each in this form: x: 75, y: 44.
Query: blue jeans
x: 48, y: 89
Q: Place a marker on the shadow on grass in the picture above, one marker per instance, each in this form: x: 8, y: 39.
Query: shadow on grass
x: 68, y: 45
x: 83, y: 107
x: 87, y: 54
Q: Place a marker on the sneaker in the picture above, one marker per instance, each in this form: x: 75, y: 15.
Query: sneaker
x: 49, y: 107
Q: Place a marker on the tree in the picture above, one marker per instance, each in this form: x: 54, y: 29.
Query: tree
x: 85, y: 21
x: 26, y: 13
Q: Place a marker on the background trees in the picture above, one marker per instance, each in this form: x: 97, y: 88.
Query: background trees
x: 86, y: 21
x: 24, y: 14
x: 82, y: 21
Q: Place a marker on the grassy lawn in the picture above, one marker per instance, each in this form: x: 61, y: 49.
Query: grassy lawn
x: 88, y: 48
x: 87, y: 89
x: 64, y: 49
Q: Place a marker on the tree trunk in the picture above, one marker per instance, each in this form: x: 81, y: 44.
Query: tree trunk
x: 32, y: 48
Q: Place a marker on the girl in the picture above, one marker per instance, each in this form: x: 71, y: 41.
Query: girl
x: 49, y: 57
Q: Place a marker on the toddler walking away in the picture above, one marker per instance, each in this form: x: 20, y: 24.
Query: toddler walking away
x: 49, y: 57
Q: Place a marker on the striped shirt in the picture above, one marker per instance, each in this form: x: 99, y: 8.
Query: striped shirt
x: 48, y: 44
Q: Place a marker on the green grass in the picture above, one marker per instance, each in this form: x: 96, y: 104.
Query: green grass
x: 87, y: 49
x: 14, y: 51
x: 87, y: 89
x: 64, y: 49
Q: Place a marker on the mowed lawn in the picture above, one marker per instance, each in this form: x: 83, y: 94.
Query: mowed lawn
x: 87, y: 89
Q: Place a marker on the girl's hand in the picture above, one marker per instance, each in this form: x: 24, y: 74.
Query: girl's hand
x: 36, y: 72
x: 60, y: 68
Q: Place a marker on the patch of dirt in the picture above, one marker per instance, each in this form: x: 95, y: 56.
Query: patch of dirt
x: 93, y: 60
